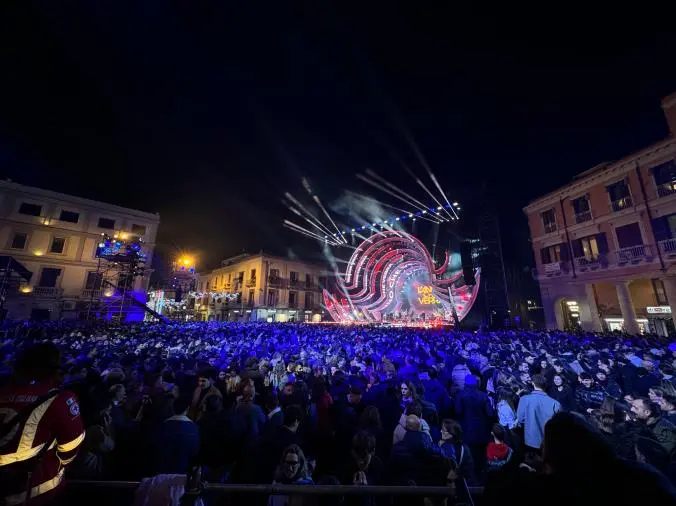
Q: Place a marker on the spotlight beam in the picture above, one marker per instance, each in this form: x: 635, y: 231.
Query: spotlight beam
x: 380, y: 187
x: 375, y: 176
x: 319, y: 203
x: 304, y: 209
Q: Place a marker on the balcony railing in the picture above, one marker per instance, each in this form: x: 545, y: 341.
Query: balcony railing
x: 666, y: 189
x: 550, y: 227
x: 47, y: 291
x: 633, y: 254
x: 583, y: 216
x: 250, y: 283
x: 585, y: 263
x: 91, y: 292
x: 276, y: 282
x: 621, y: 204
x: 668, y: 246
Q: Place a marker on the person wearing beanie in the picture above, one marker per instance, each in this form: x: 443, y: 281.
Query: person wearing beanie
x: 497, y: 452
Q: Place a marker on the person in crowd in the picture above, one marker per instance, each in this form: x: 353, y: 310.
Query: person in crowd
x: 649, y: 414
x: 293, y: 469
x: 366, y: 468
x: 474, y: 411
x: 454, y: 448
x: 533, y: 412
x: 400, y: 430
x: 588, y: 396
x: 668, y: 406
x: 205, y: 388
x: 408, y: 395
x: 39, y: 420
x: 505, y: 408
x: 562, y: 392
x: 216, y: 442
x: 498, y: 453
x: 275, y: 417
x: 178, y: 441
x: 248, y: 419
x: 416, y: 458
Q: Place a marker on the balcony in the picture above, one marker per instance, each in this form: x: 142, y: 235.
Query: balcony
x: 590, y: 263
x: 91, y: 293
x: 583, y: 216
x: 622, y: 204
x: 47, y: 291
x: 251, y: 283
x: 666, y: 189
x: 634, y: 254
x: 276, y: 282
x: 668, y: 246
x: 294, y: 283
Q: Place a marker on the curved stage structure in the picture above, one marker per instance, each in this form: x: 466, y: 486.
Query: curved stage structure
x: 391, y: 277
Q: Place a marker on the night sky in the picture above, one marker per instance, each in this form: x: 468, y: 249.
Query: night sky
x: 208, y: 112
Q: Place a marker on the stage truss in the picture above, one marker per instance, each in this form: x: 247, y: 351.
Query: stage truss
x: 391, y: 277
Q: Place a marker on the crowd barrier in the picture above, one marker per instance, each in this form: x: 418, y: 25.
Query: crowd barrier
x: 217, y: 490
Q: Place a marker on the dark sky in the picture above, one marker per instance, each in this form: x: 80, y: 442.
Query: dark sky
x: 208, y: 111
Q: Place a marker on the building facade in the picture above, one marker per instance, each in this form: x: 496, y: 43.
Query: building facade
x: 55, y: 237
x: 605, y: 244
x: 261, y: 287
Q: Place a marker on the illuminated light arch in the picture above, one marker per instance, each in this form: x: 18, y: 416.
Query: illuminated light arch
x: 393, y: 274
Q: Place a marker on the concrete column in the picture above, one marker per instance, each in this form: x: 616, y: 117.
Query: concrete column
x: 670, y: 288
x: 627, y: 308
x: 594, y: 320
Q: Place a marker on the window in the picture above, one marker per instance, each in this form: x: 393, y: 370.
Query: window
x: 308, y: 280
x: 240, y: 277
x: 106, y: 223
x: 139, y: 230
x: 628, y: 236
x: 665, y: 178
x: 252, y: 297
x: 30, y: 209
x: 69, y: 216
x: 620, y: 196
x: 252, y: 276
x: 309, y: 300
x: 549, y: 221
x: 590, y: 247
x: 58, y: 245
x: 551, y: 254
x: 19, y: 240
x: 293, y: 299
x: 660, y: 292
x: 293, y: 276
x: 94, y: 281
x: 48, y: 277
x: 272, y: 298
x: 581, y: 209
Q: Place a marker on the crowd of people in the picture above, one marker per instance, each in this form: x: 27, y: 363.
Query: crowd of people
x: 358, y: 405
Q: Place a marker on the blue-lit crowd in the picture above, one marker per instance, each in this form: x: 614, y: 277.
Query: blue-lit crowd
x: 521, y: 413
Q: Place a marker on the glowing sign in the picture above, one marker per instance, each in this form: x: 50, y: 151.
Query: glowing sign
x: 425, y: 296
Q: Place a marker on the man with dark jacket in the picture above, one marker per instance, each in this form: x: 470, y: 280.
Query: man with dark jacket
x: 587, y: 396
x: 474, y: 412
x: 178, y: 441
x: 662, y: 430
x: 275, y: 441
